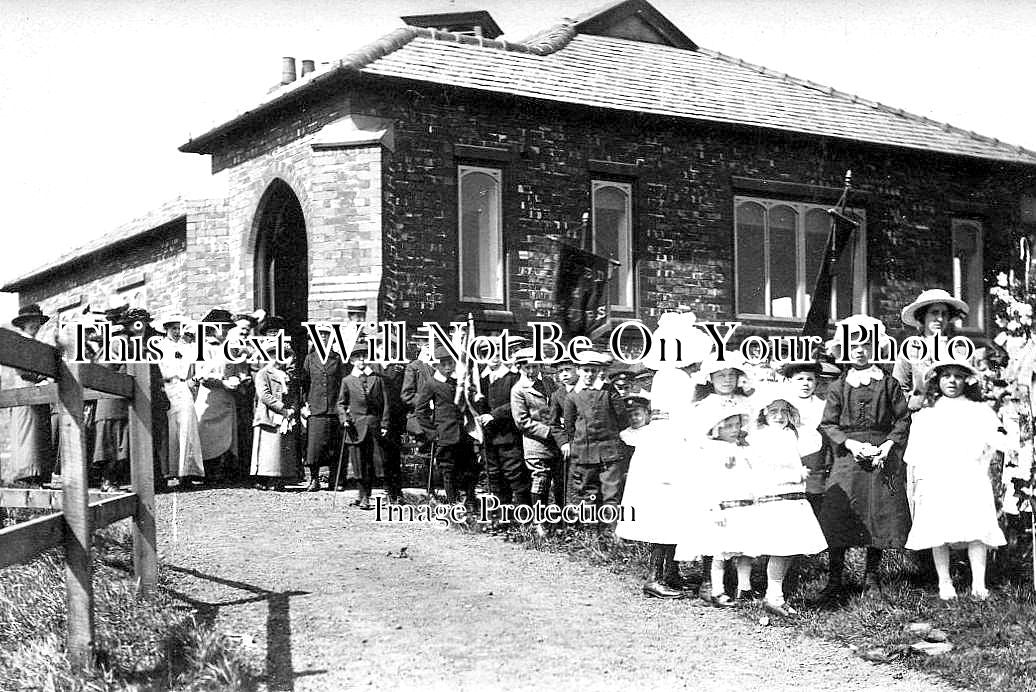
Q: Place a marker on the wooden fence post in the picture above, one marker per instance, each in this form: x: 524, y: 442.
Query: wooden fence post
x: 142, y: 476
x: 75, y: 506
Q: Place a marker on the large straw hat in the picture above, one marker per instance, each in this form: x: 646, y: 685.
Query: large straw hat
x: 931, y: 296
x: 945, y: 362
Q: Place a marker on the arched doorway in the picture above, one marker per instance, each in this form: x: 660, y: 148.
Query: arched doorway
x: 281, y: 262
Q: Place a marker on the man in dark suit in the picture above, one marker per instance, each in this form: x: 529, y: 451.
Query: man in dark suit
x: 361, y: 409
x: 505, y: 466
x: 415, y: 374
x: 455, y: 454
x: 320, y: 382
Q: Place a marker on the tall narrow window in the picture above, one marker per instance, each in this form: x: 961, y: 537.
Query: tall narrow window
x: 967, y: 268
x: 778, y: 250
x: 613, y: 237
x: 480, y: 235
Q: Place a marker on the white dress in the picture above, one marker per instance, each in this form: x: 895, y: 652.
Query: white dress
x: 785, y: 526
x: 657, y: 492
x: 717, y: 472
x: 185, y: 455
x: 947, y: 457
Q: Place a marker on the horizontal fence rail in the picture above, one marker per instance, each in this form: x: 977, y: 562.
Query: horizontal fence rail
x: 78, y: 512
x: 24, y: 541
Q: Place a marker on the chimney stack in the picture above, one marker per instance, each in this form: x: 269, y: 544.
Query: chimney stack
x: 287, y: 70
x: 307, y: 67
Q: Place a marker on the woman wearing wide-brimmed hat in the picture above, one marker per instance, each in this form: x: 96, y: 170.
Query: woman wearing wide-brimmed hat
x: 32, y: 456
x: 867, y: 421
x: 184, y: 460
x: 934, y: 314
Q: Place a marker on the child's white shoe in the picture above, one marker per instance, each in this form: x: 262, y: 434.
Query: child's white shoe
x: 947, y: 592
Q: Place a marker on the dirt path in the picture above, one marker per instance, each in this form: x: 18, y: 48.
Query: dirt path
x: 313, y: 591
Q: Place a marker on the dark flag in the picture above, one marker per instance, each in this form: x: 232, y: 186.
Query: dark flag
x: 842, y: 228
x: 581, y: 291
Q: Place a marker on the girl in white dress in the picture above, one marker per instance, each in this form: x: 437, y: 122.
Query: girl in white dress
x: 781, y: 522
x: 947, y: 458
x: 727, y: 380
x: 658, y: 490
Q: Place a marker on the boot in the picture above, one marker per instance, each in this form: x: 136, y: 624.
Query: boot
x: 671, y: 574
x: 656, y: 587
x: 314, y: 480
x: 871, y: 584
x: 471, y: 499
x: 450, y: 489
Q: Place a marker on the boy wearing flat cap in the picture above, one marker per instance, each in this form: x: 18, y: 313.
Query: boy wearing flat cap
x: 593, y: 417
x: 455, y: 455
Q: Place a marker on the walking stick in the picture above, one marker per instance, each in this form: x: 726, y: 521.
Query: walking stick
x: 431, y: 467
x: 338, y: 471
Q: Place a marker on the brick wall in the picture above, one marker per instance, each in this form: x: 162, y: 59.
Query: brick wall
x: 339, y: 190
x: 683, y: 192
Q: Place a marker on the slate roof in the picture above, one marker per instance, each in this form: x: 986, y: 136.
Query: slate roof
x: 701, y: 85
x: 563, y: 64
x: 154, y: 222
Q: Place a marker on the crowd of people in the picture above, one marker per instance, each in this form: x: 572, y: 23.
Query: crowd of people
x: 709, y: 457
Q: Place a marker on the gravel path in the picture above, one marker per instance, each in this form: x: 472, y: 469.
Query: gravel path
x: 314, y: 592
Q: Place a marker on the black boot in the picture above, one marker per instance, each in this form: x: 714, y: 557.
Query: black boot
x: 656, y: 587
x: 314, y: 479
x: 450, y: 489
x: 671, y: 575
x: 871, y: 584
x: 835, y: 589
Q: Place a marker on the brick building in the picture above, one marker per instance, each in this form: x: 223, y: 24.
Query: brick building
x: 424, y: 175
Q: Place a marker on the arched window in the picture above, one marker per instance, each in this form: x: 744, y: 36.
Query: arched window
x: 613, y: 237
x: 778, y: 250
x: 967, y: 269
x: 480, y: 235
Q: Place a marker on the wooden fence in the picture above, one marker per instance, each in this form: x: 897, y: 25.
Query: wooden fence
x: 80, y: 512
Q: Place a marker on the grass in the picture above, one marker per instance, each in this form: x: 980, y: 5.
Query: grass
x: 994, y: 642
x: 141, y: 643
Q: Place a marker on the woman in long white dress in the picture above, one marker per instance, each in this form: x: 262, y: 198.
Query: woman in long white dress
x: 185, y: 459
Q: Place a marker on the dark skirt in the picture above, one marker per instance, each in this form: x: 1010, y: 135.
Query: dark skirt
x: 859, y: 508
x: 111, y: 440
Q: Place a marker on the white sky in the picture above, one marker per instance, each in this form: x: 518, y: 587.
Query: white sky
x: 96, y: 96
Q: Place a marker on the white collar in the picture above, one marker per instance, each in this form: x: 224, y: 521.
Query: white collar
x: 862, y: 378
x: 438, y: 376
x: 496, y: 373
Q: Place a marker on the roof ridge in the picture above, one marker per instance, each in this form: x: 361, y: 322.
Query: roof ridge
x: 545, y: 42
x: 854, y: 98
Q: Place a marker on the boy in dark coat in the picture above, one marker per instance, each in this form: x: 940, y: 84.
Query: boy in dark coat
x: 505, y: 465
x: 593, y: 416
x: 455, y: 454
x: 361, y: 409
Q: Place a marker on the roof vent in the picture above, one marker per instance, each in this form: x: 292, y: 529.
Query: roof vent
x: 477, y: 23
